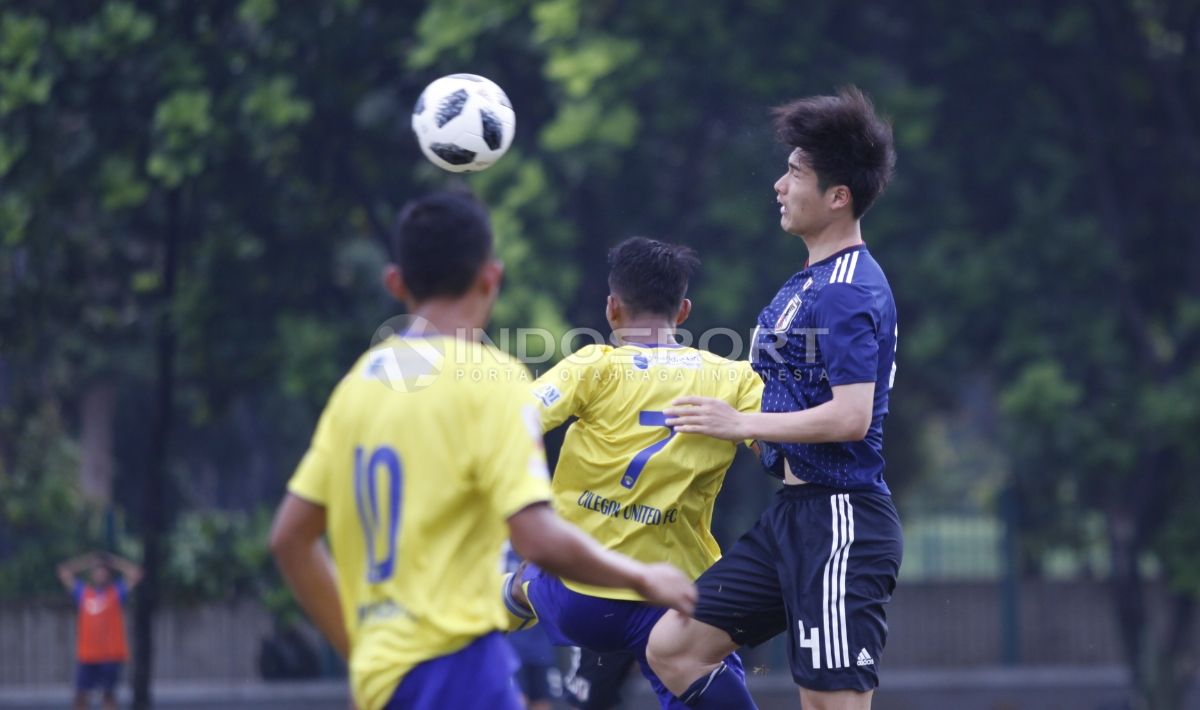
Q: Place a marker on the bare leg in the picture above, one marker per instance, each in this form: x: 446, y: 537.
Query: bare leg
x: 81, y: 700
x: 110, y: 700
x: 835, y: 699
x: 682, y: 650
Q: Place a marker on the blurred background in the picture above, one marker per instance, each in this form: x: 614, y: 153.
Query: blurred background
x: 193, y: 199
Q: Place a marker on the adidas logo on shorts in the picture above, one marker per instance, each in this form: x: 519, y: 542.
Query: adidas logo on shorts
x: 864, y: 658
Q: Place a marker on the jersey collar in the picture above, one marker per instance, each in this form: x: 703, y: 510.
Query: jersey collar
x: 835, y: 255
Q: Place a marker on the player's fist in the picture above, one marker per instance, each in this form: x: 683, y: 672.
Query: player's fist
x: 664, y: 585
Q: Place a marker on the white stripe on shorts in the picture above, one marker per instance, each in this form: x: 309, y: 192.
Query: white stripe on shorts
x: 837, y: 651
x: 849, y: 520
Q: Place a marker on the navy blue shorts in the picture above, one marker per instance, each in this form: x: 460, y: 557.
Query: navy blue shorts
x: 98, y: 676
x: 476, y: 677
x: 821, y: 564
x: 603, y: 625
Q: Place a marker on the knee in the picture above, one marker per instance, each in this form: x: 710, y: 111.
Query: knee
x: 835, y: 700
x: 666, y: 651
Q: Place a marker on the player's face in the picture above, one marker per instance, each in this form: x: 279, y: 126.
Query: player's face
x: 802, y: 208
x: 100, y: 576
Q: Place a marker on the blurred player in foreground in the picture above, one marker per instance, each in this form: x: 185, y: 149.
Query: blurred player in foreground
x: 100, y: 645
x: 538, y: 677
x: 821, y: 562
x: 427, y: 456
x: 624, y: 476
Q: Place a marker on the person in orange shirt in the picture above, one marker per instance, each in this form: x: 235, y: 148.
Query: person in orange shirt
x: 100, y: 646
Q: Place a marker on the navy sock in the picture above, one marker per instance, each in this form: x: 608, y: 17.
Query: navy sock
x: 720, y: 690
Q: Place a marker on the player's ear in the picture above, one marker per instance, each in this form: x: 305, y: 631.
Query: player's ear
x: 490, y: 278
x: 393, y: 281
x: 685, y: 310
x: 612, y: 310
x: 838, y: 197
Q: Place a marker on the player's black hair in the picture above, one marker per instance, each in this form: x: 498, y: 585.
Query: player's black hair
x: 440, y: 242
x: 650, y: 276
x: 843, y: 141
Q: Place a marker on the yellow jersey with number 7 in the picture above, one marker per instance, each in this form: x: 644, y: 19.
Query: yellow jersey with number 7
x: 625, y: 477
x: 425, y: 449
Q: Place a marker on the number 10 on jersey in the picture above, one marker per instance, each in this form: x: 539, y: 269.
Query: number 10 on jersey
x: 381, y: 469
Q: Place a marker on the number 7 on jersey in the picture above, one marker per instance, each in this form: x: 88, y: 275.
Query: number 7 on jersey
x: 634, y: 470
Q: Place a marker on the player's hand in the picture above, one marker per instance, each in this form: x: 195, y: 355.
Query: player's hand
x: 663, y: 584
x: 708, y: 416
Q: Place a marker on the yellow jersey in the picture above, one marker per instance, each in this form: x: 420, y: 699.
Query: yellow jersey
x: 623, y: 476
x: 424, y: 450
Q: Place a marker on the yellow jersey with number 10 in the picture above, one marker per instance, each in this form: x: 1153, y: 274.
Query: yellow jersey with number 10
x: 623, y: 476
x: 425, y: 449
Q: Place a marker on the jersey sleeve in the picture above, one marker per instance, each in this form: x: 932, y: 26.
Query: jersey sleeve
x: 512, y: 460
x: 122, y: 590
x: 848, y: 334
x: 565, y: 390
x: 750, y: 392
x: 77, y: 592
x: 750, y: 389
x: 312, y: 476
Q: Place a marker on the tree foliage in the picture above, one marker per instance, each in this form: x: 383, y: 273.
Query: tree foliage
x: 1040, y: 233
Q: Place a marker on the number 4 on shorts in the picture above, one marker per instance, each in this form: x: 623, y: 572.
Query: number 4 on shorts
x: 810, y: 641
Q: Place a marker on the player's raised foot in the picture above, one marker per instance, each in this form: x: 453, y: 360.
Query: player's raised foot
x: 512, y: 591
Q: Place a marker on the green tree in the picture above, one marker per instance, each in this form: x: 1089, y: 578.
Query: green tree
x: 195, y: 199
x: 1066, y: 244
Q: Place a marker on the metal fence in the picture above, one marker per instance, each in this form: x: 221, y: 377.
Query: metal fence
x: 963, y: 625
x: 943, y: 547
x: 933, y: 625
x: 214, y: 642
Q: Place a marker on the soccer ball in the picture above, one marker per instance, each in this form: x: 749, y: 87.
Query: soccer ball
x: 463, y: 122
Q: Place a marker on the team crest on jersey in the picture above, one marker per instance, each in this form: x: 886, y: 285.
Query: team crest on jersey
x: 788, y: 315
x: 95, y: 605
x: 547, y: 395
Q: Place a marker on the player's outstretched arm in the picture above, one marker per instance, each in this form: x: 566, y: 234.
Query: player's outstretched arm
x: 846, y: 417
x: 541, y: 537
x: 306, y: 566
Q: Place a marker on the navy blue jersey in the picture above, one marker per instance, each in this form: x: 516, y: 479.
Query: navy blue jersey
x: 834, y: 323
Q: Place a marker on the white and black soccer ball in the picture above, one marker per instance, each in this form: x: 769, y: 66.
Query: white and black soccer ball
x: 463, y: 122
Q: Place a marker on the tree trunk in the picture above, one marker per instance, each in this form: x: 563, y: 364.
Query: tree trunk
x: 1158, y: 646
x: 1181, y: 651
x: 1130, y: 604
x: 96, y: 441
x: 154, y: 514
